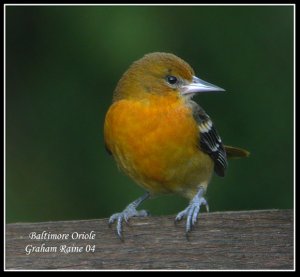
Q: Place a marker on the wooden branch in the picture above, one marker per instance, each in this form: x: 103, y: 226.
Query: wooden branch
x: 221, y: 240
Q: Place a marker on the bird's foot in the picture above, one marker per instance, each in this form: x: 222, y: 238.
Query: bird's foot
x: 192, y: 210
x: 127, y: 213
x: 130, y: 211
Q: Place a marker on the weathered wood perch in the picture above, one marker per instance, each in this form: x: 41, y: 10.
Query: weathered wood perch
x: 221, y: 240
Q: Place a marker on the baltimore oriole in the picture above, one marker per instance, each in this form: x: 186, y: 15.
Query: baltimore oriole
x: 161, y: 138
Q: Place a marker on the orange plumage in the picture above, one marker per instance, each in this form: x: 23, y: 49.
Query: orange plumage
x: 158, y: 136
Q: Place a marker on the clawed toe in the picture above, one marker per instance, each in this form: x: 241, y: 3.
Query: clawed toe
x: 192, y: 211
x: 130, y: 211
x: 113, y: 218
x: 181, y: 215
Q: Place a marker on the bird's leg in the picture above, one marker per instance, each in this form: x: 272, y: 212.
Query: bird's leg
x: 192, y: 210
x: 128, y: 212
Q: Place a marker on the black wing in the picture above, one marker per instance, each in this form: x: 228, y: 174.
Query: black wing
x: 210, y: 141
x: 107, y: 149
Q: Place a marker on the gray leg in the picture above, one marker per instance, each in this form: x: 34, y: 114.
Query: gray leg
x: 129, y: 212
x: 192, y: 210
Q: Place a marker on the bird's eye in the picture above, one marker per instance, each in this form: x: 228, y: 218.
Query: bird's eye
x: 172, y: 80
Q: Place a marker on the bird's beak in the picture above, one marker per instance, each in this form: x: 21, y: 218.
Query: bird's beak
x: 198, y: 85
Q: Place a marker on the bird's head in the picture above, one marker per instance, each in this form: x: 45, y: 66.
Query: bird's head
x: 160, y: 74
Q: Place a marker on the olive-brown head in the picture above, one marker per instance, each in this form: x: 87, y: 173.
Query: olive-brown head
x: 160, y: 74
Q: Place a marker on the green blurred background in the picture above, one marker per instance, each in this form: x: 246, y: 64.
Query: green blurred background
x: 63, y: 63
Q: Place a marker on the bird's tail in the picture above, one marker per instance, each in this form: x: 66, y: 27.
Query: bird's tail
x: 235, y: 152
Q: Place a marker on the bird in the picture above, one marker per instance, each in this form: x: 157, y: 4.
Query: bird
x: 161, y: 138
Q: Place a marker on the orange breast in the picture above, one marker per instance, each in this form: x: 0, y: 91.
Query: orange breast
x: 156, y: 143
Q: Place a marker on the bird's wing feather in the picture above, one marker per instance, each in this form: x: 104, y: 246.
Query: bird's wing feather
x: 236, y: 152
x: 210, y: 141
x: 107, y: 149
